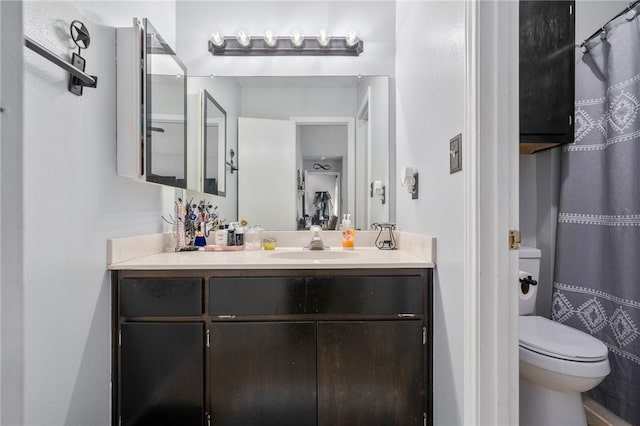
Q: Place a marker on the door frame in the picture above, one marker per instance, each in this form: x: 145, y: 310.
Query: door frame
x: 351, y: 151
x: 363, y: 142
x: 491, y: 372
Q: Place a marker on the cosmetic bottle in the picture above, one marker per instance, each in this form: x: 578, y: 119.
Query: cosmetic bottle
x: 239, y: 233
x: 220, y: 237
x: 231, y: 235
x: 348, y: 233
x: 200, y: 241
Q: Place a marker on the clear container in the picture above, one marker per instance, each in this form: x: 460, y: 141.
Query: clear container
x: 253, y: 238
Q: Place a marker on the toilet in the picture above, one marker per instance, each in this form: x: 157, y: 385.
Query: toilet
x: 557, y: 362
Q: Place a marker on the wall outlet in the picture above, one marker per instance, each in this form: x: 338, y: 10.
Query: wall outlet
x: 455, y: 154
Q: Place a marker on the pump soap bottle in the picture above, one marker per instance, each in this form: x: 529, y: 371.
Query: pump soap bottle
x: 348, y: 233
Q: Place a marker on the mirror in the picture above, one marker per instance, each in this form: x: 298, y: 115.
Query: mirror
x: 333, y: 140
x: 214, y: 145
x: 166, y: 111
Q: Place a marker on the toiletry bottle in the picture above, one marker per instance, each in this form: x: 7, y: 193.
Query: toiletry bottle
x: 221, y: 236
x: 239, y: 236
x: 231, y: 235
x: 200, y: 240
x: 348, y: 233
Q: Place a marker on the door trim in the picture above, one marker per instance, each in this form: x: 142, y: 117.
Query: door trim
x: 351, y: 150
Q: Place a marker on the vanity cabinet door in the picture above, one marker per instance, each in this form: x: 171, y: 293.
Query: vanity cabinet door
x: 263, y: 373
x: 370, y: 373
x: 162, y: 374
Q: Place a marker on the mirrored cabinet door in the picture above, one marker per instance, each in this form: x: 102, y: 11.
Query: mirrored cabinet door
x: 166, y: 111
x: 214, y: 145
x: 151, y: 107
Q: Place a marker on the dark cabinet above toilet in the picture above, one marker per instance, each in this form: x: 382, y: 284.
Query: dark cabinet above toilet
x: 547, y: 74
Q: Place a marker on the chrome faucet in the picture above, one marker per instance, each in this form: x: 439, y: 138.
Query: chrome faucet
x: 316, y: 242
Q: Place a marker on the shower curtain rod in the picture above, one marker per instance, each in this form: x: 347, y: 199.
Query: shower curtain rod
x: 602, y: 28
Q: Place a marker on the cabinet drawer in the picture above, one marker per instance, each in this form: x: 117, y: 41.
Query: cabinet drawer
x: 160, y: 297
x: 383, y: 295
x: 257, y: 296
x: 366, y: 295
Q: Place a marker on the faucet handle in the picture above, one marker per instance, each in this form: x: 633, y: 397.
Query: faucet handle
x: 315, y: 229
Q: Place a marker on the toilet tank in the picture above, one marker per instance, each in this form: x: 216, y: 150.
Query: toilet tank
x: 530, y: 263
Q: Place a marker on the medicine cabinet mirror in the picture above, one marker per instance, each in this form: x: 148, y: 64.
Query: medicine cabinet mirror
x: 152, y: 107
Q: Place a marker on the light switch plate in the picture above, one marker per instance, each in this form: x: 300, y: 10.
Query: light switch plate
x: 455, y: 154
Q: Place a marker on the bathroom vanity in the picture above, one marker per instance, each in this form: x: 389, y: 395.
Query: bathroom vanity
x: 256, y: 339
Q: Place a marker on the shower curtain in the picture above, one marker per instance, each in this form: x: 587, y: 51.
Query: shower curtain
x: 597, y: 271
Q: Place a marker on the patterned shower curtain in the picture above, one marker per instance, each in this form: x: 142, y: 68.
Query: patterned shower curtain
x: 597, y: 272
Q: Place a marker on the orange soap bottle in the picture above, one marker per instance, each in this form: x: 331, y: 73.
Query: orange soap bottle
x: 348, y: 233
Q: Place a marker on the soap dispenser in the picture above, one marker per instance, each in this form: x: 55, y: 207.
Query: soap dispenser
x: 348, y: 233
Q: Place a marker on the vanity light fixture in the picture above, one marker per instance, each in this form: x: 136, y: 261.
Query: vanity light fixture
x: 270, y: 37
x: 270, y: 44
x: 297, y: 38
x: 324, y: 38
x: 243, y: 38
x: 353, y: 38
x: 217, y: 38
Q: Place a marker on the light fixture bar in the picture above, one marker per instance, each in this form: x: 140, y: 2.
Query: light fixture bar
x: 310, y: 47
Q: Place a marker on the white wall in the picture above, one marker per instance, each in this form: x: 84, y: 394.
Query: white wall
x: 11, y: 219
x: 375, y: 21
x: 540, y: 173
x: 74, y: 202
x: 429, y: 100
x: 283, y: 103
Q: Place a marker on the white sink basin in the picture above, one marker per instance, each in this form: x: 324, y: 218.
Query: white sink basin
x: 315, y: 255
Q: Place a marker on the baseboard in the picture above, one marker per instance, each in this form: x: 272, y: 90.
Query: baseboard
x: 597, y: 415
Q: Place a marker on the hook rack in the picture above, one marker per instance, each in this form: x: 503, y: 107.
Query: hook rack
x: 79, y: 78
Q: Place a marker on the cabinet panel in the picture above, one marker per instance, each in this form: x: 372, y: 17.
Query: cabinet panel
x: 323, y: 295
x: 263, y: 373
x: 365, y: 295
x: 162, y: 374
x: 370, y: 373
x: 547, y: 76
x: 257, y: 296
x: 160, y: 297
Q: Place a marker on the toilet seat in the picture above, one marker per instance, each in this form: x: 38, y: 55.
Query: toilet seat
x: 552, y: 339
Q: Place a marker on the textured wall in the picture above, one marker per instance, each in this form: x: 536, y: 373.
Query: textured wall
x: 73, y: 203
x: 430, y: 61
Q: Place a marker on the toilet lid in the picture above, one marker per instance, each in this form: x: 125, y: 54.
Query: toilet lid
x: 559, y: 341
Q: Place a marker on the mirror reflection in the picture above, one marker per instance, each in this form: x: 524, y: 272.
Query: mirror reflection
x: 214, y: 123
x: 166, y: 111
x: 308, y: 148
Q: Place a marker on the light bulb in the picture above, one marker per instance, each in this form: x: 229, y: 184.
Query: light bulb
x: 270, y: 37
x: 243, y: 38
x: 352, y: 38
x: 324, y: 37
x: 296, y: 37
x: 216, y: 38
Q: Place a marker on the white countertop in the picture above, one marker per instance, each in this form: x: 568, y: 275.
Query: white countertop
x: 358, y: 258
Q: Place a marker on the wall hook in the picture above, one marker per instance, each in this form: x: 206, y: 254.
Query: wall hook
x: 82, y: 39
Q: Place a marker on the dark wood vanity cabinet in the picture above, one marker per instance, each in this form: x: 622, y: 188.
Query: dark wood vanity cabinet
x: 547, y: 74
x: 268, y: 347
